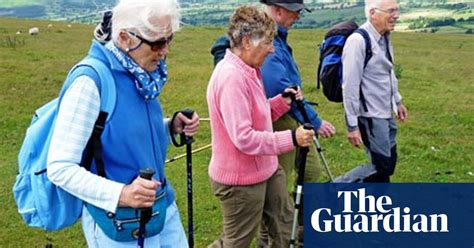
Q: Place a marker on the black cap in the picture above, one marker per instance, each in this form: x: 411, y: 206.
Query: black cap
x: 291, y: 5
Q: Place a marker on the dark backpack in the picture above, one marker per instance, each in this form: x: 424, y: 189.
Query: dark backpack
x: 330, y: 64
x: 219, y: 47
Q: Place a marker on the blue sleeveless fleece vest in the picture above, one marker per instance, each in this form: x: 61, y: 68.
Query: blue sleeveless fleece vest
x: 135, y: 136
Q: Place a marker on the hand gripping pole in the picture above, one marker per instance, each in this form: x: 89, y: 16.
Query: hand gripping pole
x: 145, y: 213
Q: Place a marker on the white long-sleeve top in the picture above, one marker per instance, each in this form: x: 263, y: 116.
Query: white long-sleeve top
x: 78, y: 111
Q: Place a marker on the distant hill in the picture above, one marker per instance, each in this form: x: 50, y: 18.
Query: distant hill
x: 421, y: 16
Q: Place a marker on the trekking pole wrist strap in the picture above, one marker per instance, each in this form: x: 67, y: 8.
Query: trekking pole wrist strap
x: 183, y: 138
x: 173, y: 134
x: 293, y: 137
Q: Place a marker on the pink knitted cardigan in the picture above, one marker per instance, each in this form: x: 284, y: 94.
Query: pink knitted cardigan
x: 244, y: 146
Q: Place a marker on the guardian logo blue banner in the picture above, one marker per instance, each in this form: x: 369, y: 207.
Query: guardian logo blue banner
x: 389, y: 215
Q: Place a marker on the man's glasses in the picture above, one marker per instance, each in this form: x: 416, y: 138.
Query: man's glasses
x: 394, y: 11
x: 154, y: 45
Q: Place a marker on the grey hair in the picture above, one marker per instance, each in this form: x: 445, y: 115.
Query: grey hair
x: 137, y: 15
x: 370, y: 4
x: 251, y: 22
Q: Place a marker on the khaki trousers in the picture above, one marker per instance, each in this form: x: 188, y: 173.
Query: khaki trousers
x: 245, y: 207
x: 288, y: 161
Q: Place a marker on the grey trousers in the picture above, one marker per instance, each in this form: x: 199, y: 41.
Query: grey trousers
x: 379, y: 137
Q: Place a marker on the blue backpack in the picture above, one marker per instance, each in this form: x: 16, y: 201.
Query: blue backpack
x: 330, y: 64
x: 41, y: 203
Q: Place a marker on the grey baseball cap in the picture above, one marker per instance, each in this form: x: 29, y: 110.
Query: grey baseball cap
x: 292, y: 5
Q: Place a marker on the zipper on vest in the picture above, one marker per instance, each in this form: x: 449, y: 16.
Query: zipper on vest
x: 151, y: 133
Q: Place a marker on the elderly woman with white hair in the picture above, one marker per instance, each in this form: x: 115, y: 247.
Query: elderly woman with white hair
x: 244, y: 171
x: 135, y: 136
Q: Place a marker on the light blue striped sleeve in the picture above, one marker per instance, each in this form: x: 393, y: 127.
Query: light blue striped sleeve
x: 166, y: 124
x: 77, y: 114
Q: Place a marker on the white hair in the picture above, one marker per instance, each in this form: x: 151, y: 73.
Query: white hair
x: 370, y: 4
x: 257, y: 40
x: 137, y: 15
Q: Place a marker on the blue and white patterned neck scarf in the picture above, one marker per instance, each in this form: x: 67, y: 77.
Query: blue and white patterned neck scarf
x: 149, y: 84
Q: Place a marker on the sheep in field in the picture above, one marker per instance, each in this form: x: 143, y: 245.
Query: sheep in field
x: 33, y: 31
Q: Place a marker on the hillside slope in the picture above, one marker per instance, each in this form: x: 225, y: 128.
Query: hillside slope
x: 435, y: 145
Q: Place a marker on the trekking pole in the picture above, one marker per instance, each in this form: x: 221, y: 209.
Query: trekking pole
x: 300, y: 106
x: 299, y: 187
x: 323, y: 158
x: 189, y: 140
x: 145, y: 213
x: 184, y: 155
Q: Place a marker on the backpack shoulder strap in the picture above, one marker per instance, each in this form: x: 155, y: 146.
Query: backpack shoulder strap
x: 368, y: 55
x: 318, y: 74
x: 368, y: 44
x: 387, y: 47
x: 105, y: 83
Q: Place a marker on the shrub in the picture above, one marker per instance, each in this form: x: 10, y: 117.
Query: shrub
x: 398, y: 71
x: 12, y: 42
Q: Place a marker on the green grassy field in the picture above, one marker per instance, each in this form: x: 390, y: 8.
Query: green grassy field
x: 435, y: 145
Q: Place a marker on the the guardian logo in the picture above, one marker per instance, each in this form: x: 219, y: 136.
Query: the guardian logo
x: 374, y: 215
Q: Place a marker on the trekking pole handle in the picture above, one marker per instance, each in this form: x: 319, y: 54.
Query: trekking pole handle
x: 305, y: 150
x: 299, y: 103
x: 291, y: 95
x: 145, y: 213
x: 189, y: 114
x: 308, y: 126
x: 147, y: 173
